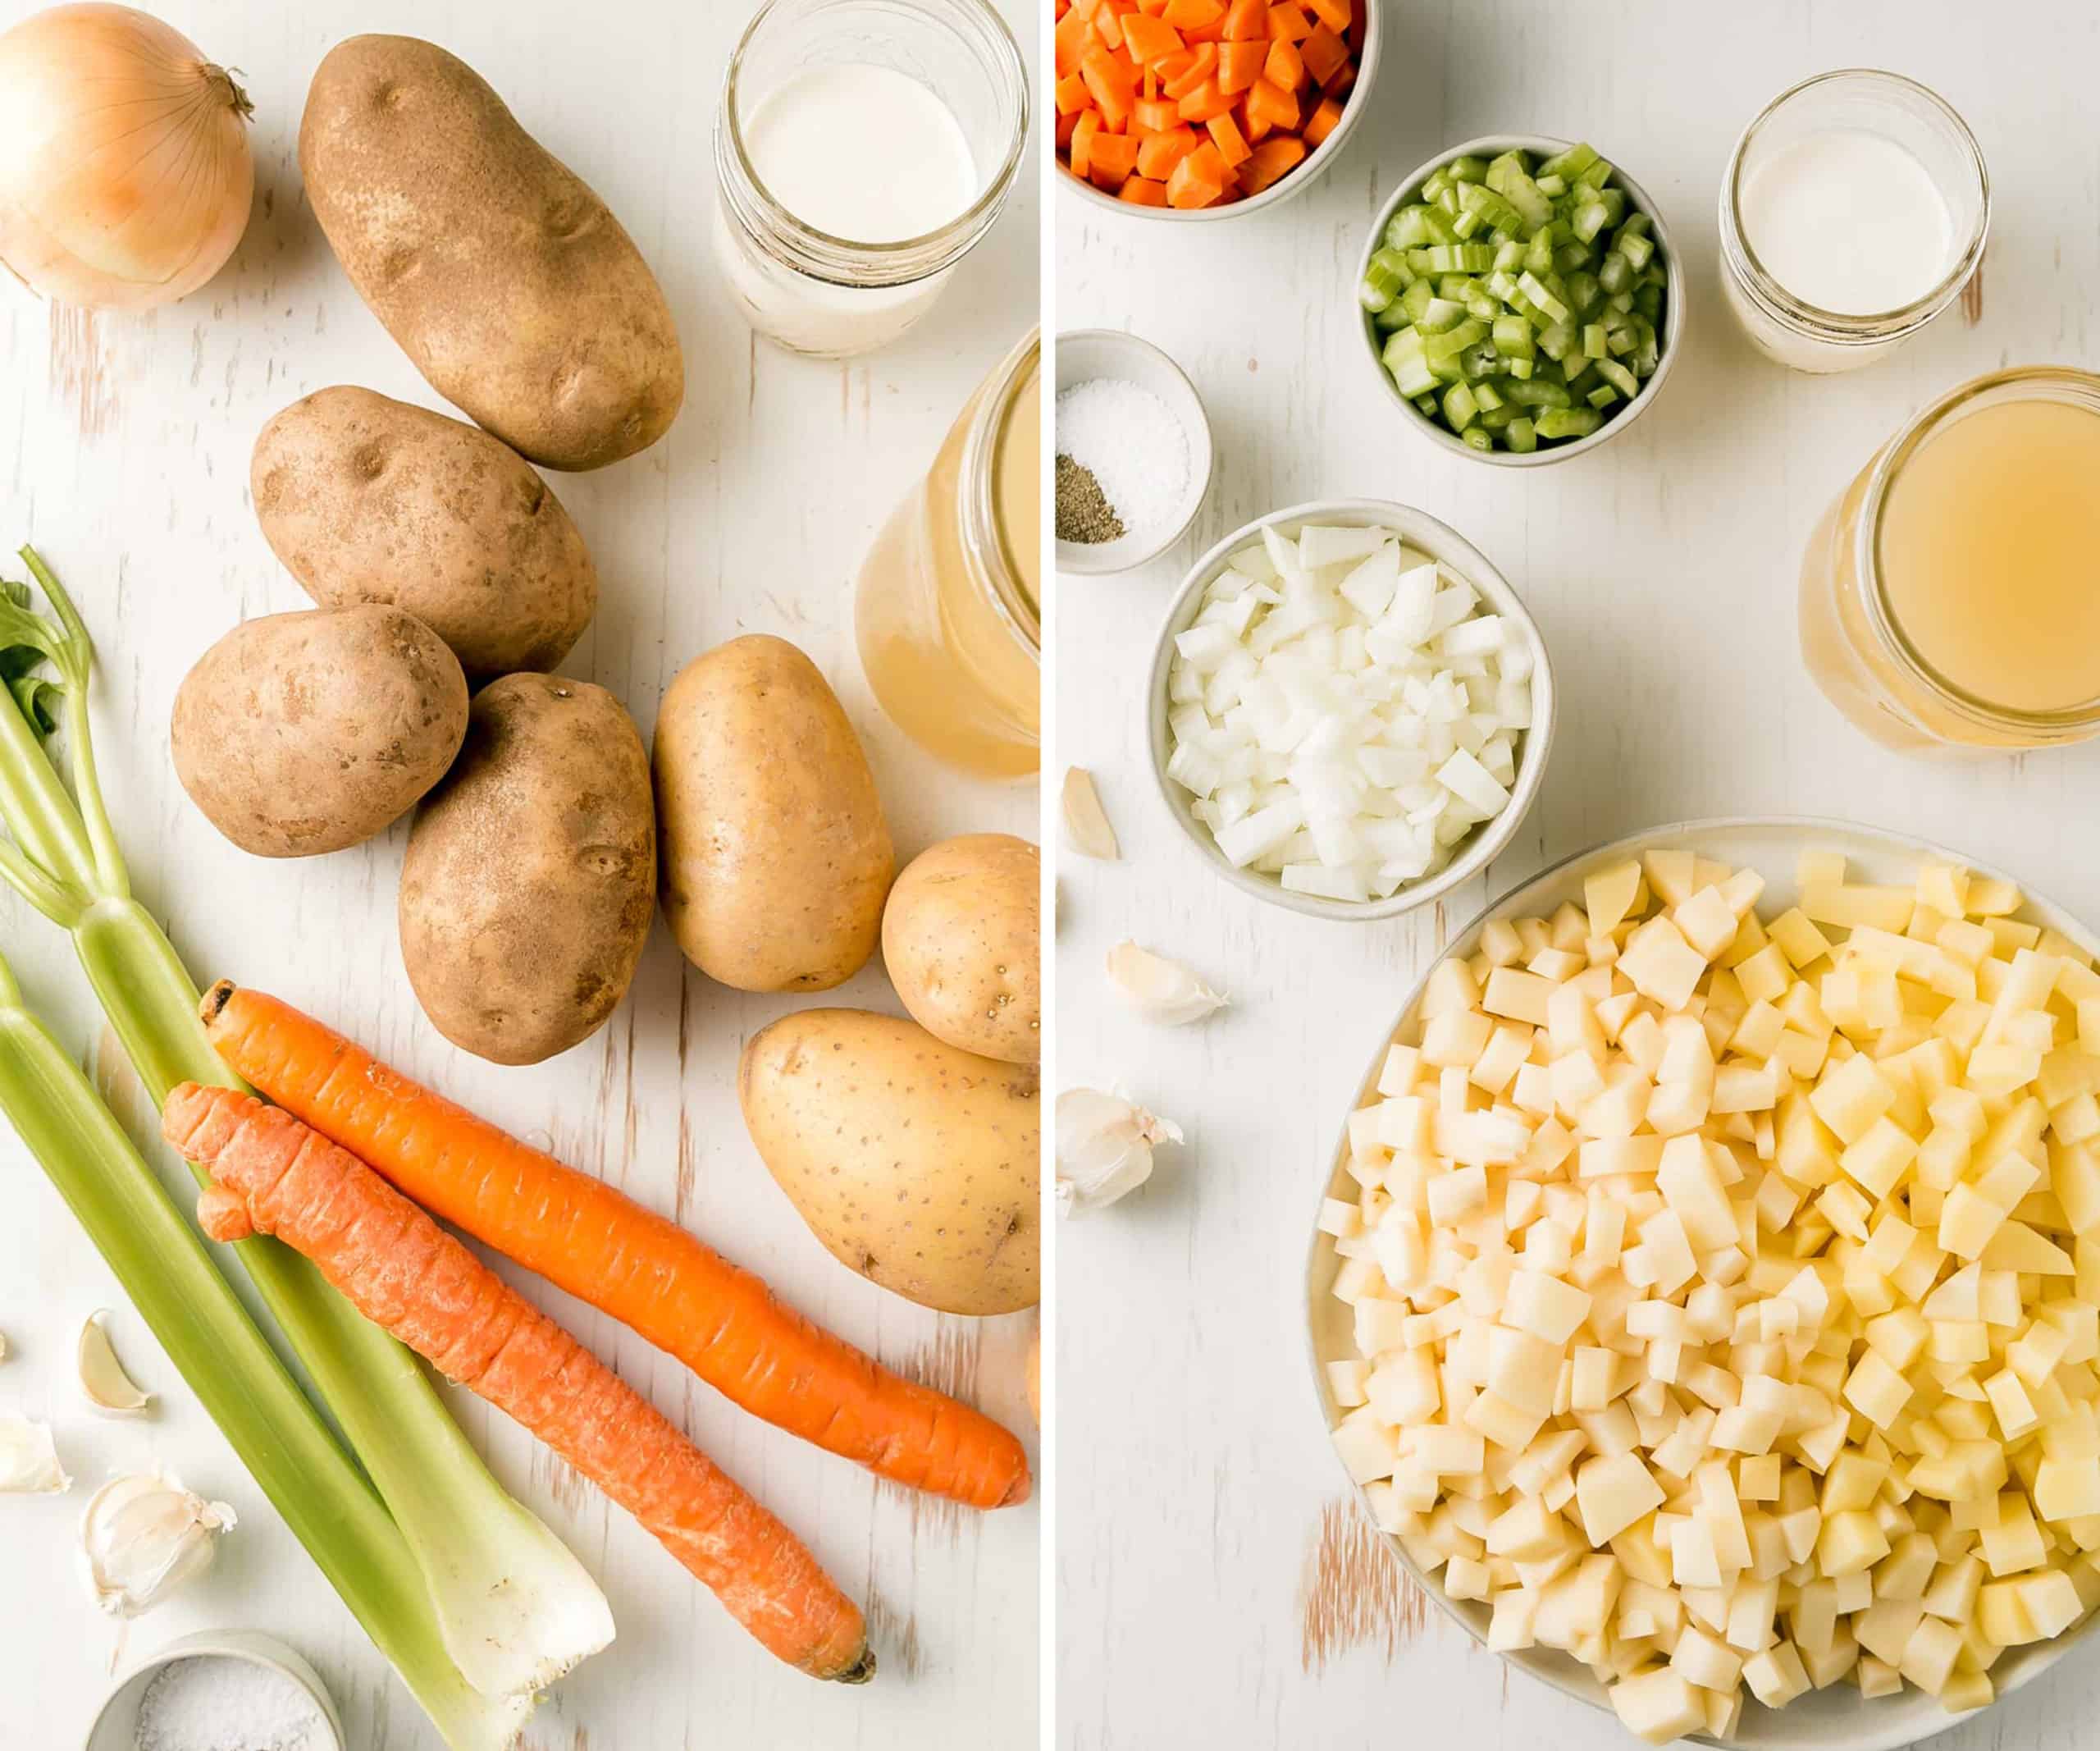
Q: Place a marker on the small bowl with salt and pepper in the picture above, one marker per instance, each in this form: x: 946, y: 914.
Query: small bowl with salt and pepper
x: 220, y: 1690
x: 1133, y: 450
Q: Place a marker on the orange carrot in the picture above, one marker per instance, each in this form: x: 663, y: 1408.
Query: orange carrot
x: 272, y: 1175
x: 1154, y: 116
x: 1071, y: 41
x: 1336, y: 15
x: 1270, y: 161
x: 600, y: 1245
x: 1320, y: 123
x: 1273, y: 103
x: 1194, y: 15
x: 1206, y: 101
x: 1324, y: 53
x: 1141, y: 191
x: 1284, y: 68
x: 1184, y: 79
x: 1198, y: 180
x: 1114, y: 156
x: 1289, y: 22
x: 1239, y: 64
x: 1247, y: 22
x: 1159, y: 153
x: 1082, y: 145
x: 1230, y: 145
x: 1072, y: 94
x: 1150, y: 39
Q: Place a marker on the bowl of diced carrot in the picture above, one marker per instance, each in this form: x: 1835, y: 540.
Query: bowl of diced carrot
x: 1199, y: 109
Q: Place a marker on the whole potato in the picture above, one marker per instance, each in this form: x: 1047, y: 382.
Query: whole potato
x: 530, y: 873
x: 916, y: 1164
x: 962, y: 940
x: 504, y: 278
x: 368, y: 500
x: 776, y: 855
x: 298, y: 733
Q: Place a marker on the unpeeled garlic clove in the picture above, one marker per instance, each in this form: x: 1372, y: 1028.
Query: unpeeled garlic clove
x: 1160, y: 989
x: 1087, y: 828
x: 29, y: 1460
x: 1104, y: 1148
x: 103, y: 1381
x: 142, y: 1537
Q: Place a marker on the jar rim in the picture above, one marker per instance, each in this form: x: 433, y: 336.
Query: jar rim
x: 2077, y: 386
x: 843, y: 260
x: 1833, y: 326
x: 985, y: 537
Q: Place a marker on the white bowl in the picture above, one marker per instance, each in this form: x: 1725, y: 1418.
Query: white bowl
x: 1449, y: 548
x: 1086, y: 354
x: 1491, y: 145
x: 1838, y: 1719
x: 116, y: 1728
x: 1315, y: 165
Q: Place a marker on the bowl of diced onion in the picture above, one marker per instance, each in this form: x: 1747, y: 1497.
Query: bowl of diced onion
x: 1833, y: 911
x: 1350, y: 709
x: 1507, y: 387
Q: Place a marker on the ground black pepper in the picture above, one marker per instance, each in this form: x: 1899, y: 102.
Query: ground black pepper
x: 1084, y: 512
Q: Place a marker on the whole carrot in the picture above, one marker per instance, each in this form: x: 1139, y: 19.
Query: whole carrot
x: 273, y: 1175
x: 722, y: 1321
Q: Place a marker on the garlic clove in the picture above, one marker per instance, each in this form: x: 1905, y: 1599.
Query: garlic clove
x: 144, y: 1536
x: 1160, y: 989
x: 104, y: 1381
x: 1087, y: 829
x: 29, y: 1459
x: 1104, y: 1148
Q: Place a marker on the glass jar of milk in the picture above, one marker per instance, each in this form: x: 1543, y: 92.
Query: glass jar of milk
x: 1853, y: 210
x: 861, y: 148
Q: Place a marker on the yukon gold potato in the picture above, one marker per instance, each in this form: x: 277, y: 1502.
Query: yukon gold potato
x: 531, y: 872
x: 1725, y: 1286
x: 369, y: 500
x: 776, y: 855
x: 504, y: 278
x: 298, y: 733
x: 962, y: 941
x: 915, y: 1162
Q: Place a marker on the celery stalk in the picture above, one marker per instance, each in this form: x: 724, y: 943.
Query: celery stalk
x: 235, y: 1374
x: 514, y: 1606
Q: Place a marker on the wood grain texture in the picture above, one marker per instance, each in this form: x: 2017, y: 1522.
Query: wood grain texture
x: 1194, y: 1485
x: 124, y: 448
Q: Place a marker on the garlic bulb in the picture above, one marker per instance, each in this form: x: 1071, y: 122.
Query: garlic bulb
x: 29, y: 1461
x: 1104, y: 1148
x: 1160, y: 989
x: 1087, y: 829
x: 144, y: 1536
x: 103, y: 1381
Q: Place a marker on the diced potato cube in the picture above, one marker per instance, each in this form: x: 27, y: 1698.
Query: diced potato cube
x: 1612, y: 1492
x: 1776, y: 1676
x: 1661, y: 1705
x: 1850, y: 1097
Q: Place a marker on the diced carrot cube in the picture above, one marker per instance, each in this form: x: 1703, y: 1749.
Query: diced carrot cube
x: 1113, y: 89
x: 1171, y: 68
x: 1072, y: 94
x: 1269, y: 162
x: 1256, y: 128
x: 1226, y: 138
x: 1085, y: 9
x: 1320, y: 123
x: 1271, y: 101
x: 1150, y: 39
x: 1247, y: 22
x: 1070, y: 41
x: 1158, y: 153
x: 1152, y: 8
x: 1338, y: 86
x: 1324, y: 53
x: 1198, y: 179
x: 1239, y: 64
x: 1289, y: 22
x: 1083, y: 138
x: 1113, y: 157
x: 1179, y: 85
x: 1066, y: 124
x: 1152, y: 115
x: 1109, y: 24
x: 1285, y: 66
x: 1140, y: 191
x: 1205, y: 101
x: 1336, y: 14
x: 1193, y: 14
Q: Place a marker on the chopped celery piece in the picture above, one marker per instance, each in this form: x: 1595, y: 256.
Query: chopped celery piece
x: 1519, y: 301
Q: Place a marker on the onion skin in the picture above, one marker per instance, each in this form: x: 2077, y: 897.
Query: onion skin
x: 127, y: 178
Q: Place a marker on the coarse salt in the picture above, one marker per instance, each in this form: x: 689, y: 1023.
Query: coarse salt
x: 1132, y: 444
x: 211, y: 1702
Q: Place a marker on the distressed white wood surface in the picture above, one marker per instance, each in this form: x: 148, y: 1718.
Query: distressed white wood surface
x: 124, y: 446
x: 1193, y: 1474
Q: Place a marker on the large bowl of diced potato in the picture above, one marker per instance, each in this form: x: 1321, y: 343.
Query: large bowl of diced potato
x: 1705, y: 1299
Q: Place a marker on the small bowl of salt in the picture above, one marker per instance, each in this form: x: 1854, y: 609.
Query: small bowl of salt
x: 1133, y: 449
x: 220, y: 1690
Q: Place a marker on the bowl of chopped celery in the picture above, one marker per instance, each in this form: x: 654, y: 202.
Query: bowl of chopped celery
x: 1521, y: 299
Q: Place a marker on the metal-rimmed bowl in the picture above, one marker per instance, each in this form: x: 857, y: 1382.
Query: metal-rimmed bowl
x: 1087, y: 353
x: 1838, y: 1718
x: 1317, y: 162
x: 1450, y: 549
x: 116, y: 1727
x: 1489, y: 146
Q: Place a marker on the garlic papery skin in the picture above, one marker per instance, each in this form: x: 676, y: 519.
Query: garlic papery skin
x: 144, y: 1536
x: 28, y: 1461
x: 1104, y: 1148
x: 103, y: 1381
x: 1160, y: 989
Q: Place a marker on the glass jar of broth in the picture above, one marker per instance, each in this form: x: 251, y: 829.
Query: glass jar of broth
x: 945, y: 610
x: 1949, y: 598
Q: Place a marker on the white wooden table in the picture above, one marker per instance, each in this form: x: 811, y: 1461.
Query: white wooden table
x: 124, y: 447
x: 1215, y: 1586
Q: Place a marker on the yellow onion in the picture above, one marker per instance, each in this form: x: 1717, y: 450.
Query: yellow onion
x: 124, y: 178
